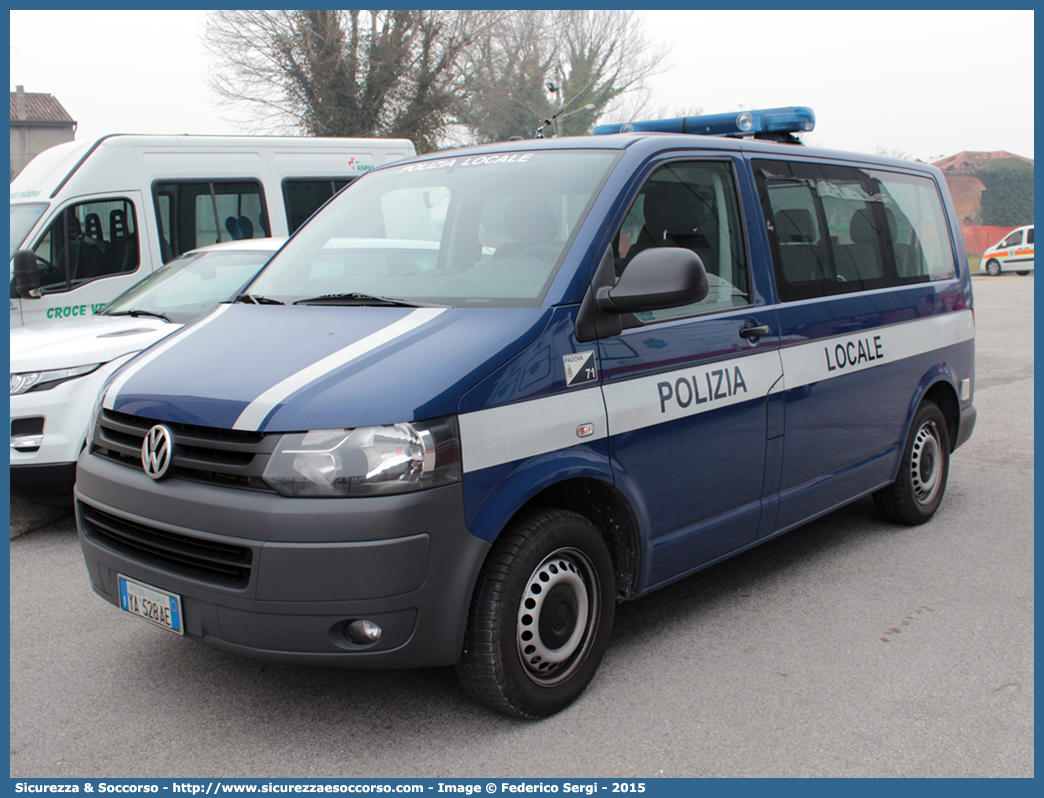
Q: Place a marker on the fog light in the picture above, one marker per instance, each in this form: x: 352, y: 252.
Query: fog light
x: 26, y: 441
x: 363, y: 632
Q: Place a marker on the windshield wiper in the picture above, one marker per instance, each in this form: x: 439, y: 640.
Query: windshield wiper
x: 363, y: 299
x: 254, y: 299
x: 136, y: 313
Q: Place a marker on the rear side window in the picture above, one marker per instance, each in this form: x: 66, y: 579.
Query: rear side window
x: 917, y: 228
x: 837, y: 229
x: 304, y: 196
x: 194, y: 214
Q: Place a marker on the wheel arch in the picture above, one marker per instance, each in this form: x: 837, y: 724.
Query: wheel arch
x: 939, y: 387
x: 610, y: 512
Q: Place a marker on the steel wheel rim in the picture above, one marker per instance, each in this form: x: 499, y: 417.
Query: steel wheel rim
x: 926, y: 460
x: 556, y: 616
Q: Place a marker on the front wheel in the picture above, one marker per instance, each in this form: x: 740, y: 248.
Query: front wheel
x: 918, y: 489
x: 541, y: 616
x: 1022, y: 273
x: 993, y: 268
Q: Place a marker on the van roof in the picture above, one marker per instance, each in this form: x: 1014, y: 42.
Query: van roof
x: 47, y: 172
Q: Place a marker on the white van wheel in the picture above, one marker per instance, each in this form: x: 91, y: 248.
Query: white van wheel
x: 993, y: 268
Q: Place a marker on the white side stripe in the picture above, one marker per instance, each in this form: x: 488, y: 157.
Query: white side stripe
x: 526, y: 429
x: 256, y: 412
x: 806, y: 364
x: 117, y: 384
x: 659, y: 398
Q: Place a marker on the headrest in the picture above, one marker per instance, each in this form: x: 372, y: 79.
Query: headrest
x: 233, y: 228
x: 93, y: 226
x: 530, y: 218
x: 795, y: 226
x: 862, y: 228
x: 117, y: 224
x: 246, y: 227
x: 672, y: 208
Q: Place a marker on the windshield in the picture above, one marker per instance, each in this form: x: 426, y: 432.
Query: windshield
x: 23, y: 217
x: 465, y: 231
x: 191, y: 285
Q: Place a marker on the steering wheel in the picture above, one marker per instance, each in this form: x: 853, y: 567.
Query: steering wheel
x: 49, y: 274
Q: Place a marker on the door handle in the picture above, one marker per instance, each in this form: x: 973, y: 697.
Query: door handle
x: 755, y: 332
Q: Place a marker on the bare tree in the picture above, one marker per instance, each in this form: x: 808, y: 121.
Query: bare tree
x: 345, y: 73
x: 415, y: 74
x: 591, y: 60
x: 892, y: 152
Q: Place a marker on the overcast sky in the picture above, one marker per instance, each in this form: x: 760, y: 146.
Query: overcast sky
x: 928, y: 84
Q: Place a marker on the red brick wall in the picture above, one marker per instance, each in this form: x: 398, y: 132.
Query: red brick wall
x: 978, y: 237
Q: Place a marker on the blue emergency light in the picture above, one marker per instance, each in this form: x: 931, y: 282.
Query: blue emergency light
x: 767, y: 122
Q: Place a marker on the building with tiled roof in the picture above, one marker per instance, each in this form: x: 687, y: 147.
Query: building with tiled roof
x: 38, y: 121
x: 966, y: 189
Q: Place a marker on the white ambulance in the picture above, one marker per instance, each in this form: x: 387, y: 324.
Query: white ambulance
x: 100, y: 215
x: 1013, y: 254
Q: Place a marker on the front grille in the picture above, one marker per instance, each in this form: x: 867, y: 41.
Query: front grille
x: 217, y: 563
x: 228, y: 458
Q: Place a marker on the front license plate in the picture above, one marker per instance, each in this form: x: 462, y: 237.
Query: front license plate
x: 155, y: 606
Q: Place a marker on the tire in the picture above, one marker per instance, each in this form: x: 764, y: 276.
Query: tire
x: 918, y: 489
x: 993, y: 268
x: 1022, y: 273
x: 540, y: 617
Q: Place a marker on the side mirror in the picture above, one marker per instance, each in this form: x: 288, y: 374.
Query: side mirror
x: 666, y: 277
x: 26, y: 274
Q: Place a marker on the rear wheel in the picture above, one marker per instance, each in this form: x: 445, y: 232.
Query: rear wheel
x: 1022, y: 273
x: 993, y: 268
x: 541, y: 616
x: 918, y: 489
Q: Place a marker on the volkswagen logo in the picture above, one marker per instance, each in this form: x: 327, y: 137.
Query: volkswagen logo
x: 156, y: 451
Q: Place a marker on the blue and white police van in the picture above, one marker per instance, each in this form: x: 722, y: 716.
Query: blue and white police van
x: 608, y: 362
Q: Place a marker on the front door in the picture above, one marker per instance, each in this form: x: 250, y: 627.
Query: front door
x: 686, y: 389
x: 87, y: 255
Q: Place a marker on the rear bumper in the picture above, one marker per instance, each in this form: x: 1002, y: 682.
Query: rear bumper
x: 306, y: 568
x: 967, y: 425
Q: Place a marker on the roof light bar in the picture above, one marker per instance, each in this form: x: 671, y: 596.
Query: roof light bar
x: 793, y: 119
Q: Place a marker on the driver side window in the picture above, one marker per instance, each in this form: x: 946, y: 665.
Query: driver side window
x: 691, y: 205
x: 88, y: 241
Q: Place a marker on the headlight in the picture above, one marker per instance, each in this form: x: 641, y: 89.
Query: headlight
x: 366, y: 461
x: 44, y: 380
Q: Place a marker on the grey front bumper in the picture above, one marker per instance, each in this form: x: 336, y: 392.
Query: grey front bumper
x: 311, y: 566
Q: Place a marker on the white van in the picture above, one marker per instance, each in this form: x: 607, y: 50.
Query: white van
x: 1013, y: 254
x: 100, y: 215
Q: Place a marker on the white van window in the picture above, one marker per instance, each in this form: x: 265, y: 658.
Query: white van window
x: 1013, y: 239
x: 691, y: 205
x: 1029, y: 236
x: 304, y: 196
x: 193, y: 214
x: 482, y: 231
x: 87, y: 241
x: 23, y: 217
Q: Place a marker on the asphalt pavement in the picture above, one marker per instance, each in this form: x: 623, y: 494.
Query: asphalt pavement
x: 849, y: 647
